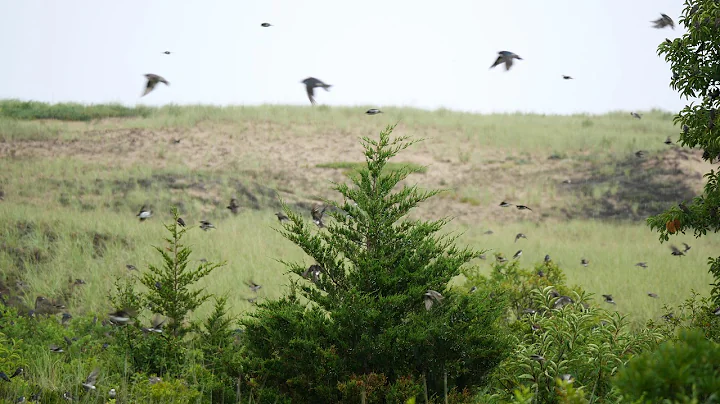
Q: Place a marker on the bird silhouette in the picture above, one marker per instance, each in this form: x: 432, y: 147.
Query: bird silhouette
x: 608, y: 299
x: 653, y: 295
x: 205, y: 225
x: 373, y: 111
x: 687, y: 247
x: 310, y: 84
x: 584, y: 262
x: 313, y: 272
x: 519, y: 236
x: 152, y: 81
x: 522, y: 207
x: 537, y: 357
x: 253, y: 286
x: 234, y: 206
x: 506, y: 57
x: 156, y: 324
x: 641, y: 264
x: 266, y: 24
x: 676, y: 251
x: 639, y: 153
x: 18, y: 372
x: 567, y: 77
x: 281, y: 216
x: 120, y: 317
x: 167, y: 52
x: 181, y: 222
x: 89, y: 383
x: 517, y: 254
x: 663, y: 21
x: 668, y: 141
x: 504, y: 204
x: 636, y: 115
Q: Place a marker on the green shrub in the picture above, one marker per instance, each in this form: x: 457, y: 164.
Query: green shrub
x: 27, y: 110
x: 688, y: 368
x: 365, y: 312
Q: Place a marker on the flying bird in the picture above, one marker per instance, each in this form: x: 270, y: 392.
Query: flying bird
x: 584, y: 262
x: 676, y: 251
x: 89, y: 383
x: 253, y: 286
x: 608, y: 299
x: 152, y: 81
x: 517, y: 254
x: 636, y: 115
x: 156, y: 324
x: 567, y: 77
x: 317, y: 214
x: 641, y: 264
x: 131, y: 267
x: 281, y: 216
x: 663, y: 21
x: 310, y: 84
x: 507, y: 58
x: 120, y: 317
x: 431, y: 297
x: 668, y: 141
x: 234, y: 206
x: 313, y: 272
x: 167, y: 52
x: 18, y: 372
x: 373, y: 111
x: 639, y: 153
x: 687, y: 247
x: 519, y: 236
x: 523, y: 207
x: 56, y: 349
x: 144, y: 213
x: 266, y: 24
x: 653, y: 295
x: 205, y: 225
x: 538, y: 358
x: 504, y: 204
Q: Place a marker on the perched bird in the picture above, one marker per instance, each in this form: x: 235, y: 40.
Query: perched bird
x: 120, y: 317
x: 506, y: 57
x: 519, y: 236
x: 181, y: 222
x: 68, y: 396
x: 636, y: 115
x: 523, y: 207
x: 540, y: 273
x: 676, y: 251
x: 234, y: 206
x: 154, y: 379
x: 687, y: 247
x: 430, y: 297
x: 584, y: 262
x: 253, y: 286
x: 641, y: 264
x: 144, y: 213
x: 562, y: 301
x: 205, y: 225
x: 266, y: 24
x: 567, y: 378
x: 639, y: 153
x: 668, y: 141
x: 547, y: 258
x: 281, y: 216
x: 504, y: 204
x: 152, y: 80
x: 18, y: 372
x: 482, y: 257
x: 89, y: 383
x: 373, y: 111
x: 685, y: 209
x: 500, y: 258
x: 317, y: 214
x: 685, y: 129
x: 310, y: 84
x: 21, y: 400
x: 517, y: 254
x: 529, y: 311
x: 608, y: 299
x: 472, y: 289
x: 717, y: 311
x: 537, y: 357
x: 653, y: 295
x: 5, y: 377
x: 663, y: 21
x: 112, y: 394
x: 567, y: 77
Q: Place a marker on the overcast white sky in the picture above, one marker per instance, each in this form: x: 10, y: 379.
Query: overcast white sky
x: 418, y: 53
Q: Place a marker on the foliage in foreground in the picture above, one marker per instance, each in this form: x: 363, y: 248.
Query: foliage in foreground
x: 694, y: 62
x: 364, y: 318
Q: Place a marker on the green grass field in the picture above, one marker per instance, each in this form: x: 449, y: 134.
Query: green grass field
x: 74, y: 177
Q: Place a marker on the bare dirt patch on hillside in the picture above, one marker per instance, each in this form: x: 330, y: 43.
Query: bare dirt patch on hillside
x: 287, y: 155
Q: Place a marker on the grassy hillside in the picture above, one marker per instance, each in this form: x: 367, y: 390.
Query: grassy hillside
x: 74, y: 177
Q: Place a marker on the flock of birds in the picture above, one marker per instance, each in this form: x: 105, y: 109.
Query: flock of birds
x: 123, y: 317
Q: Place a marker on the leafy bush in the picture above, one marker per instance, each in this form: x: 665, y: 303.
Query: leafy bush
x: 366, y: 313
x: 688, y: 368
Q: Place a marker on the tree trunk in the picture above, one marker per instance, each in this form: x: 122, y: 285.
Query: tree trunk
x: 363, y: 396
x: 445, y: 386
